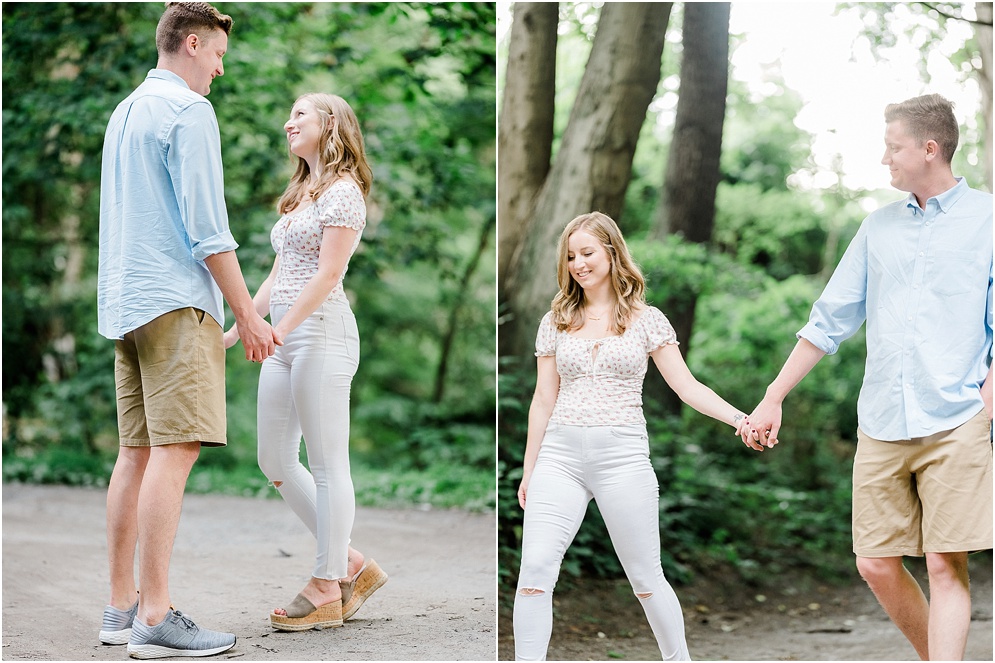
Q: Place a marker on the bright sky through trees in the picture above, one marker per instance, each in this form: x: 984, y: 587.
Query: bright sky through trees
x: 823, y: 57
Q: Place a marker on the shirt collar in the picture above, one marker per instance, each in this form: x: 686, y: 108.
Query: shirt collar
x: 167, y: 75
x: 944, y: 200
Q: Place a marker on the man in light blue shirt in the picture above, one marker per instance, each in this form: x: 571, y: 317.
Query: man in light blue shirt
x: 919, y: 271
x: 162, y: 207
x: 167, y: 257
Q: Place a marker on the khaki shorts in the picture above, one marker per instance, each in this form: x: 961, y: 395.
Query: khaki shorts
x: 170, y: 376
x: 929, y: 494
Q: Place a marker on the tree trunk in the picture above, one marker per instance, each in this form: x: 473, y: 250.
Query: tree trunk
x: 984, y: 36
x: 594, y: 163
x: 688, y: 206
x: 525, y: 133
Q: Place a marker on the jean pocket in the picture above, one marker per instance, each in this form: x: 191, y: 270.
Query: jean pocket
x: 630, y: 432
x: 350, y: 334
x: 631, y: 439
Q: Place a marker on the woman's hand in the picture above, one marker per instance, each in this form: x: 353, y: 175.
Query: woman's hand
x: 523, y: 488
x: 231, y: 337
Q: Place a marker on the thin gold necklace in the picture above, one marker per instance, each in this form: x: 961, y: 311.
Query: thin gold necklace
x: 599, y: 316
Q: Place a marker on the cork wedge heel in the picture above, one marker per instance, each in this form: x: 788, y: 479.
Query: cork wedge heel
x: 355, y: 592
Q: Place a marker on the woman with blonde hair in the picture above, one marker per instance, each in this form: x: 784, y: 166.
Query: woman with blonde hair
x: 587, y: 433
x: 304, y: 387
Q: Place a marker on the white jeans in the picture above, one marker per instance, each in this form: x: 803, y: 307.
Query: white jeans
x: 304, y: 388
x: 610, y: 464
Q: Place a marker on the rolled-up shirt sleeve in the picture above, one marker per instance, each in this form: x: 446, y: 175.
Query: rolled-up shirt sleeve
x: 842, y: 308
x: 193, y: 158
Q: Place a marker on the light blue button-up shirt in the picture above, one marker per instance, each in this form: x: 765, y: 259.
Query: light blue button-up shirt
x: 923, y: 281
x: 162, y: 207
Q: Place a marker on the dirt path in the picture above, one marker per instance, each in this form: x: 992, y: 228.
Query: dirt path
x: 724, y: 620
x: 235, y: 559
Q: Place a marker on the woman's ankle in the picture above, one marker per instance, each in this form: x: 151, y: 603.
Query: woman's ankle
x: 356, y: 561
x: 326, y: 588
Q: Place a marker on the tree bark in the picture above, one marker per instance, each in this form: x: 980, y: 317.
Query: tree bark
x: 984, y: 36
x: 594, y: 164
x: 525, y: 133
x: 693, y: 171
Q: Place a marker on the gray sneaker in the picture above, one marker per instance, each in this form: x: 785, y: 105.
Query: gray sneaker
x: 176, y: 635
x: 116, y: 627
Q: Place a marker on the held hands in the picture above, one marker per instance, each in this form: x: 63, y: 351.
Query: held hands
x: 258, y: 337
x: 760, y: 429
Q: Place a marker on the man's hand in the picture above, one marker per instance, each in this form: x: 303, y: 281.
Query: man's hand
x: 258, y: 337
x: 765, y: 422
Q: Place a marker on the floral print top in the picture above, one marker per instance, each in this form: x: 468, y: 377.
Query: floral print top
x: 296, y: 238
x: 601, y: 379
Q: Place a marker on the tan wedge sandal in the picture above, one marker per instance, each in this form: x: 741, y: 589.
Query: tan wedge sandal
x: 303, y: 615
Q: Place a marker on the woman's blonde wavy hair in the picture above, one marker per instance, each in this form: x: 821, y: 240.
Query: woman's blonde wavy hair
x: 342, y: 152
x: 626, y: 279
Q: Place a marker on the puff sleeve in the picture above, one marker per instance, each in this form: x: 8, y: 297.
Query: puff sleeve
x: 343, y: 205
x: 546, y: 338
x: 659, y: 331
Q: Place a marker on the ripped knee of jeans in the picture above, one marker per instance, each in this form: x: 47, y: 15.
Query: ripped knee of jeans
x: 644, y: 595
x: 531, y: 591
x: 276, y: 484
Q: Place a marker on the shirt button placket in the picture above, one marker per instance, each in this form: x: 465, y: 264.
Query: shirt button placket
x: 920, y: 259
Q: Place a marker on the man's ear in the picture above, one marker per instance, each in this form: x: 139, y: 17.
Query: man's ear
x: 932, y: 149
x: 191, y: 44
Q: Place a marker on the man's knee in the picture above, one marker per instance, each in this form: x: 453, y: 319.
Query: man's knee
x: 947, y: 569
x: 182, y: 454
x: 132, y: 459
x: 878, y: 570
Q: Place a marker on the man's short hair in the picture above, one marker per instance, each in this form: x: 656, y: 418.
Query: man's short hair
x: 929, y: 117
x: 182, y: 19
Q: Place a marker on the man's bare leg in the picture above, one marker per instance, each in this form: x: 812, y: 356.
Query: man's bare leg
x: 159, y: 504
x: 901, y: 597
x: 949, y: 605
x: 122, y: 523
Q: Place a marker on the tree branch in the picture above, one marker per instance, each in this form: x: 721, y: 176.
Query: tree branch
x: 936, y: 8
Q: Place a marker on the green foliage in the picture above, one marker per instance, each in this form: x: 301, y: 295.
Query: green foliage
x: 422, y: 282
x: 440, y: 486
x: 776, y: 230
x: 760, y: 143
